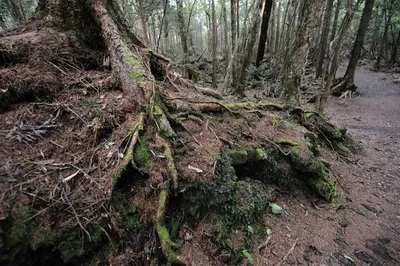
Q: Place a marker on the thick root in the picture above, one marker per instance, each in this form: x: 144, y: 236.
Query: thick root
x: 167, y: 245
x: 128, y: 156
x: 344, y: 85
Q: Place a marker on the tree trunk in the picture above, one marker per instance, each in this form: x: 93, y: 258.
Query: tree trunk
x: 143, y: 20
x: 264, y: 31
x: 226, y: 41
x: 294, y: 64
x: 324, y: 38
x: 183, y: 36
x: 347, y: 82
x: 214, y: 45
x: 278, y: 26
x: 335, y: 20
x: 383, y: 42
x: 234, y: 35
x: 248, y: 48
x: 395, y: 53
x: 334, y: 63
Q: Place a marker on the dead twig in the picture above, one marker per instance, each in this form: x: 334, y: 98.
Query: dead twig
x: 76, y: 215
x: 287, y: 254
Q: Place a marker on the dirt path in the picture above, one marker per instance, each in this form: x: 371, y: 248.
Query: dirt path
x: 372, y: 184
x: 363, y: 226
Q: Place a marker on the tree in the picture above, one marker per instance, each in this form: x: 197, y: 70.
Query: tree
x: 324, y: 38
x: 335, y: 20
x: 295, y: 60
x: 214, y: 45
x: 183, y: 36
x: 347, y: 82
x: 334, y: 59
x: 264, y: 31
x: 242, y: 54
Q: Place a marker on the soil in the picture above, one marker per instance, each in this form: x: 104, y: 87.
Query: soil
x: 363, y: 226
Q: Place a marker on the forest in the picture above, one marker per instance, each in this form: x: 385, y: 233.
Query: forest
x: 199, y: 132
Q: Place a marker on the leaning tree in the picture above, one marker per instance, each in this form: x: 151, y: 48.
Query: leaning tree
x: 175, y: 140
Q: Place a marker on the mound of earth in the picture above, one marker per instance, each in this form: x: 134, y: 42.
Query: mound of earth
x: 110, y: 157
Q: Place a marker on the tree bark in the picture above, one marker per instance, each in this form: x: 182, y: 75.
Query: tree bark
x: 183, y: 36
x: 324, y: 38
x: 214, y: 46
x: 347, y: 82
x: 335, y: 20
x: 294, y: 64
x: 226, y: 41
x: 248, y: 48
x: 334, y: 64
x: 383, y: 41
x: 234, y: 35
x: 264, y: 31
x: 143, y: 20
x: 395, y: 53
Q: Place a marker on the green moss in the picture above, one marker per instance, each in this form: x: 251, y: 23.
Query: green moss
x: 127, y: 210
x: 71, y: 246
x: 238, y: 156
x: 342, y: 150
x: 313, y: 172
x: 95, y: 112
x: 142, y: 156
x: 43, y: 237
x: 137, y: 76
x: 312, y: 142
x: 261, y: 154
x: 132, y: 59
x: 21, y: 229
x: 287, y: 142
x: 324, y: 187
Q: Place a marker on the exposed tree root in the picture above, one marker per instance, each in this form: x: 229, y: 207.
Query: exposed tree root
x: 345, y: 84
x: 128, y: 156
x: 167, y: 245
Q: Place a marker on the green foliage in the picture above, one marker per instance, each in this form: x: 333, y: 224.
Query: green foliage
x: 247, y: 255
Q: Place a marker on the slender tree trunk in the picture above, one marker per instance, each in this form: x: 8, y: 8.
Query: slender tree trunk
x: 264, y: 31
x: 335, y: 20
x: 334, y: 64
x: 214, y: 45
x: 16, y: 13
x: 248, y: 48
x: 384, y: 41
x: 278, y: 25
x: 146, y: 32
x: 234, y: 12
x: 395, y: 54
x: 167, y: 45
x: 294, y: 64
x: 324, y: 38
x: 183, y: 36
x: 226, y: 41
x: 348, y: 80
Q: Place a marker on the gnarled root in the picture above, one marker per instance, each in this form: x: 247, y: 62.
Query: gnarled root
x: 167, y: 245
x: 128, y: 156
x: 344, y: 85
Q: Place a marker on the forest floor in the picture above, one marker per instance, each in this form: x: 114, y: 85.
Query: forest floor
x: 363, y: 227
